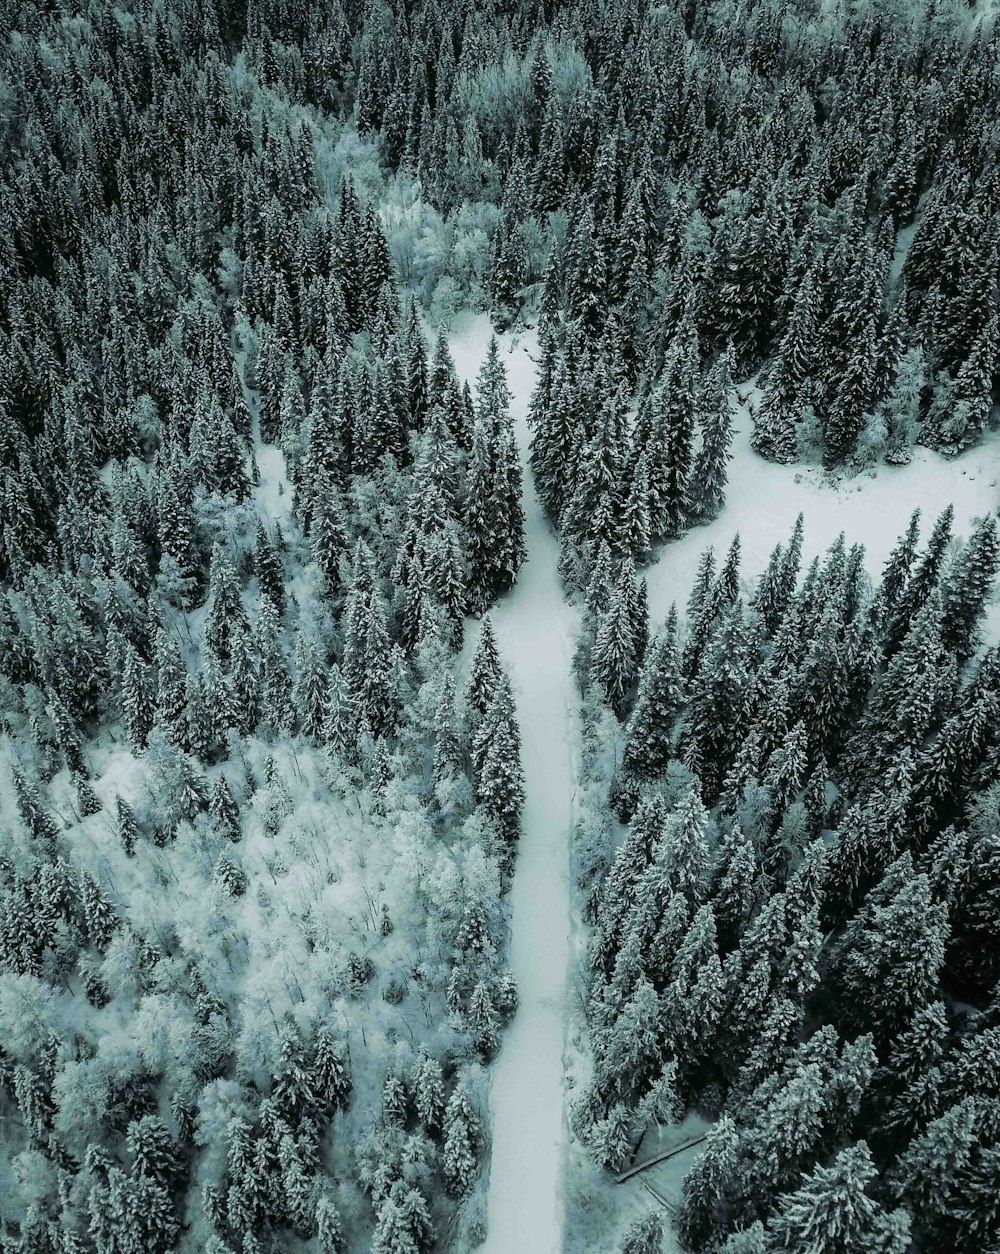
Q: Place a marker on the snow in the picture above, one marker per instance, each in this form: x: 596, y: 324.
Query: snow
x: 535, y: 630
x: 685, y: 1141
x: 273, y: 495
x: 763, y: 500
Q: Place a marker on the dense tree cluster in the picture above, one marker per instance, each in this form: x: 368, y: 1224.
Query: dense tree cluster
x: 817, y: 188
x: 610, y: 478
x: 245, y: 507
x: 797, y: 933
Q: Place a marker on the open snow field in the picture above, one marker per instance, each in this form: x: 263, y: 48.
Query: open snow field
x: 873, y: 509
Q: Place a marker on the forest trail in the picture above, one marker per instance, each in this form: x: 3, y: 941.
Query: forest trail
x: 535, y: 630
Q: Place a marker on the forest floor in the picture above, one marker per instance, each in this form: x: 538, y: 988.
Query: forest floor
x: 535, y: 630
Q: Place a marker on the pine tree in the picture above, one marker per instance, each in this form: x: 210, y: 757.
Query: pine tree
x: 309, y: 691
x: 137, y: 710
x: 798, y: 360
x: 714, y: 717
x: 636, y: 530
x: 485, y: 670
x: 800, y: 967
x: 494, y: 519
x: 649, y: 732
x: 416, y: 369
x: 587, y: 278
x: 900, y: 409
x: 686, y: 844
x: 507, y: 271
x: 622, y: 887
x: 710, y: 472
x: 171, y: 690
x: 593, y: 512
x: 737, y: 893
x: 965, y: 587
x: 201, y: 737
x: 913, y: 698
x: 428, y: 1092
x: 483, y: 1022
x: 831, y: 1212
x: 673, y: 434
x: 896, y: 571
x: 329, y: 1227
x: 219, y: 700
x: 632, y: 1052
x: 338, y: 731
x: 328, y: 532
x: 229, y: 876
x: 555, y: 440
x: 615, y: 661
x: 128, y: 828
x: 330, y: 1076
x: 927, y: 1174
x: 366, y: 664
x: 244, y: 683
x: 403, y: 1224
x: 910, y: 1083
x: 702, y: 1213
x: 644, y: 1236
x: 87, y: 800
x: 460, y: 1133
x: 500, y: 783
x: 154, y: 1151
x: 448, y: 755
x: 916, y: 590
x: 32, y: 810
x: 267, y: 564
x: 892, y: 954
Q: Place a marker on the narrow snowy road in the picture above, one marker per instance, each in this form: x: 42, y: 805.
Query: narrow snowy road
x: 535, y: 630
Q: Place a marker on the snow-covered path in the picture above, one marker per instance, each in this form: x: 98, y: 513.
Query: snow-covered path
x: 535, y: 629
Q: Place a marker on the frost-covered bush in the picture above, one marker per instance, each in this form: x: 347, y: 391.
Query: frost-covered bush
x: 872, y: 446
x: 475, y: 1225
x: 445, y: 301
x: 809, y: 436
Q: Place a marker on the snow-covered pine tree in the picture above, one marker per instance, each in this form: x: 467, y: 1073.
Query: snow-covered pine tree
x: 649, y: 731
x: 831, y: 1210
x: 556, y: 442
x: 890, y: 958
x: 171, y: 689
x: 500, y: 778
x: 484, y: 671
x: 448, y: 759
x: 714, y: 415
x: 128, y: 828
x: 615, y: 660
x: 137, y: 700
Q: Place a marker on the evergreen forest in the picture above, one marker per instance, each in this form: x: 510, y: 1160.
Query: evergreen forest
x: 368, y: 371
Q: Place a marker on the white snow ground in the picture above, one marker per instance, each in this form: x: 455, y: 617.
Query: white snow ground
x: 873, y: 509
x: 535, y: 629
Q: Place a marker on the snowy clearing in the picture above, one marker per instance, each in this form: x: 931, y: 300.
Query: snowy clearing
x: 763, y: 499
